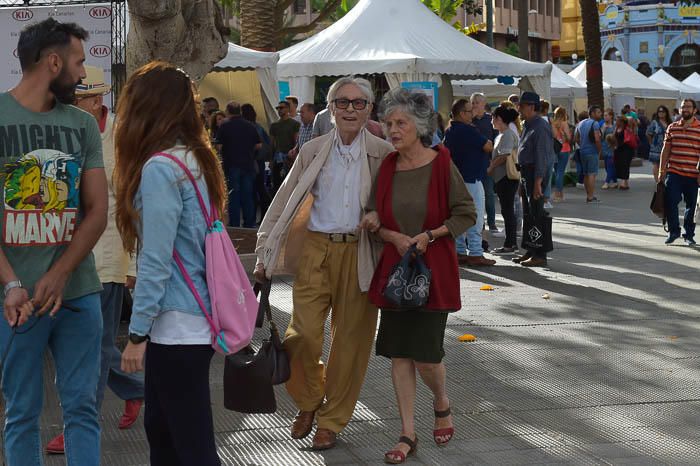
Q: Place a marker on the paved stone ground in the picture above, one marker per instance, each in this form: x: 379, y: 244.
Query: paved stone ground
x: 605, y: 371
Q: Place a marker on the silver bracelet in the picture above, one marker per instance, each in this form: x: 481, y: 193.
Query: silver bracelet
x: 12, y: 284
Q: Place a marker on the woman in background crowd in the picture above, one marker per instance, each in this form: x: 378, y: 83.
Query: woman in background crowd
x: 655, y: 136
x: 607, y: 129
x: 562, y: 133
x: 624, y: 152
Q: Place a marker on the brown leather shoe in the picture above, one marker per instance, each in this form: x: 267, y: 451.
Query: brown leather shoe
x: 462, y: 259
x: 522, y: 258
x: 324, y: 439
x: 302, y: 425
x: 534, y: 262
x: 479, y: 261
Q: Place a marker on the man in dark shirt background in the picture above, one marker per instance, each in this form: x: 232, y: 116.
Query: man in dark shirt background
x: 534, y: 153
x: 470, y: 152
x: 284, y: 134
x: 483, y: 123
x: 238, y: 140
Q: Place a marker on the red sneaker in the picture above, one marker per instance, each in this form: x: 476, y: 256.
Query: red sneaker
x: 131, y: 413
x: 56, y: 446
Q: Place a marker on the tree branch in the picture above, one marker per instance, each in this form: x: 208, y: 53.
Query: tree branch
x: 327, y: 10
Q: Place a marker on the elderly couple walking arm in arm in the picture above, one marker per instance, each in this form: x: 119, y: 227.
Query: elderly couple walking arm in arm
x: 349, y: 199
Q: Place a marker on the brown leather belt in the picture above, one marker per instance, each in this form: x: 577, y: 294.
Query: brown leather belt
x: 343, y: 237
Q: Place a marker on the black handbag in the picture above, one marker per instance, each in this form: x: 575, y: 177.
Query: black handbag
x: 556, y: 145
x: 658, y: 203
x: 249, y: 376
x: 408, y: 285
x: 537, y: 228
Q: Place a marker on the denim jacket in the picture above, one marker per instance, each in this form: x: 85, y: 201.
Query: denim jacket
x: 170, y: 217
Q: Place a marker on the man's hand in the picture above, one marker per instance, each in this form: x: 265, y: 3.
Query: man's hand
x: 17, y: 307
x: 259, y: 273
x: 132, y: 357
x: 370, y: 222
x: 662, y: 175
x: 130, y: 282
x: 537, y: 191
x: 48, y: 292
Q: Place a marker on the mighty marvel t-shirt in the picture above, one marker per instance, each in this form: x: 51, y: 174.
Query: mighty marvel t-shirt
x: 42, y: 156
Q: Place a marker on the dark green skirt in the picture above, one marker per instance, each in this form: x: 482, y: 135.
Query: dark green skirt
x: 413, y: 334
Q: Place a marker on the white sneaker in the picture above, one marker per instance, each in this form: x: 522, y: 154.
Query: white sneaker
x: 548, y: 205
x: 613, y: 186
x: 605, y: 186
x: 496, y: 233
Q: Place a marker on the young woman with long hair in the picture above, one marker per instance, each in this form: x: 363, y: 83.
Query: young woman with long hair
x: 655, y: 134
x: 158, y: 212
x: 607, y: 149
x: 561, y: 132
x: 624, y: 152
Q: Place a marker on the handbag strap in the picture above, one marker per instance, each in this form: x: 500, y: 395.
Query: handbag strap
x: 207, y: 217
x: 265, y: 289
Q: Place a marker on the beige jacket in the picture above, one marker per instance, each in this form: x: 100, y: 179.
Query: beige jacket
x: 283, y: 230
x: 112, y: 262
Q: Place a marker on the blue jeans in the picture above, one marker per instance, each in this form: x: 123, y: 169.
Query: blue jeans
x: 74, y: 341
x: 490, y: 201
x: 547, y: 181
x: 125, y: 386
x: 560, y: 171
x: 678, y: 187
x: 610, y: 174
x: 470, y: 242
x: 240, y: 185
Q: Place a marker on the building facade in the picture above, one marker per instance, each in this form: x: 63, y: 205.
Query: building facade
x: 650, y: 36
x: 544, y: 25
x: 570, y: 45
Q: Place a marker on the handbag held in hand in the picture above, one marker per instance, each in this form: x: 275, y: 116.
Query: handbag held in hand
x: 408, y: 286
x: 249, y: 376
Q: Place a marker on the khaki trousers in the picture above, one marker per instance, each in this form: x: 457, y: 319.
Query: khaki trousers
x: 327, y: 281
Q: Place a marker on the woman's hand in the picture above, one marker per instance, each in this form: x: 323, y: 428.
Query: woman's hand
x: 421, y: 241
x: 132, y: 357
x: 259, y: 273
x: 402, y: 242
x: 370, y: 222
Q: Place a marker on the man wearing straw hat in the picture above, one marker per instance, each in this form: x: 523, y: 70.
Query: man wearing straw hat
x: 114, y: 267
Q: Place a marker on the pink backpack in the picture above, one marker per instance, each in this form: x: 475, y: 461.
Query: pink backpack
x: 234, y: 306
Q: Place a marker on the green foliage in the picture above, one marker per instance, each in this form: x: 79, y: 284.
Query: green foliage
x: 512, y: 49
x: 447, y: 9
x: 342, y: 10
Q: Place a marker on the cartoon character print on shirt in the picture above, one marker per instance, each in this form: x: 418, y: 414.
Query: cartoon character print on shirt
x: 42, y: 197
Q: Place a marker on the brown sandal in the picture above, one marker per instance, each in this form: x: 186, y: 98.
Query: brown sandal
x: 399, y: 457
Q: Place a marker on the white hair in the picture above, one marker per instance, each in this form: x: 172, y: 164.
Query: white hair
x: 478, y: 96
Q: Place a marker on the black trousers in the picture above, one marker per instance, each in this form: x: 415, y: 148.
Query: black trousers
x: 623, y: 159
x: 531, y: 205
x: 262, y: 197
x: 178, y: 417
x: 506, y: 189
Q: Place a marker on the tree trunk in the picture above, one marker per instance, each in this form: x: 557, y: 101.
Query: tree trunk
x: 591, y: 41
x: 523, y: 39
x: 258, y: 24
x: 489, y: 23
x: 188, y: 33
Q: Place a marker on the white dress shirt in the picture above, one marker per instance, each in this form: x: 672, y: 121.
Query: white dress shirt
x: 336, y: 207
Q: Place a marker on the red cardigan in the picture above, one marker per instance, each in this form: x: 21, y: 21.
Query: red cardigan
x: 441, y: 256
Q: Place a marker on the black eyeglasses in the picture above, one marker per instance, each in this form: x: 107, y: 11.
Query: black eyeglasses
x: 357, y: 104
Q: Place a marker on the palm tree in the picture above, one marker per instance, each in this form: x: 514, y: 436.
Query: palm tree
x: 591, y: 41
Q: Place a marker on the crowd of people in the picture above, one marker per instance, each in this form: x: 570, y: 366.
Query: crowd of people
x: 342, y: 197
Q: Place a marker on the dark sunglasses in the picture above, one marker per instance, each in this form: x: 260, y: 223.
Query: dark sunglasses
x: 357, y: 104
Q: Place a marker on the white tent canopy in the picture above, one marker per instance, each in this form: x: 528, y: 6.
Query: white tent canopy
x: 667, y: 80
x: 488, y: 87
x: 263, y: 63
x: 693, y: 80
x: 622, y: 84
x: 564, y: 85
x: 404, y: 40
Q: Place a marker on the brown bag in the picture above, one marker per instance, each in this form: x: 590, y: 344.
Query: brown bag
x: 658, y: 202
x: 512, y: 171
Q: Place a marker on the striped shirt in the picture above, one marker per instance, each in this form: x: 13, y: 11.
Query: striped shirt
x: 685, y: 148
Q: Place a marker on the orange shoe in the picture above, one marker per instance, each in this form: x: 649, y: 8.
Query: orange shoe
x: 56, y: 446
x: 131, y: 413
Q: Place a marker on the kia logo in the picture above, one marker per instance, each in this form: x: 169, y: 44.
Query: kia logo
x: 14, y: 52
x: 100, y: 51
x: 100, y: 12
x: 23, y: 15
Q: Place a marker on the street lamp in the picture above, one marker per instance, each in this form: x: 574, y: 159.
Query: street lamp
x: 574, y: 59
x: 618, y: 55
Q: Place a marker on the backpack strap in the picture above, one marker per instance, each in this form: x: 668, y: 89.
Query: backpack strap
x: 207, y: 217
x: 193, y: 289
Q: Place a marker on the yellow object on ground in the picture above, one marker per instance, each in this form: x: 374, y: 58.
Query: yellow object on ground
x: 467, y: 337
x: 486, y: 288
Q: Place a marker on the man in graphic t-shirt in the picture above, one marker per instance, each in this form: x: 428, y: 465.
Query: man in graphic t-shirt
x: 53, y: 210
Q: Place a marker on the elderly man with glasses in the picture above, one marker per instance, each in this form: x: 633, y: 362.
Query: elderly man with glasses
x: 312, y: 230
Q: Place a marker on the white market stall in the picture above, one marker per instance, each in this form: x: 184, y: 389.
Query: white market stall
x: 693, y: 80
x: 566, y: 92
x: 667, y: 80
x: 491, y: 88
x: 624, y: 85
x: 246, y: 76
x: 406, y: 42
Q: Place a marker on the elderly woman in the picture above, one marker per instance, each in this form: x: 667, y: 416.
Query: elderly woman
x: 420, y: 200
x: 311, y: 229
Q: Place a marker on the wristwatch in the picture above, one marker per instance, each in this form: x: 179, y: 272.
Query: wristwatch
x: 12, y: 284
x: 137, y: 339
x: 431, y: 238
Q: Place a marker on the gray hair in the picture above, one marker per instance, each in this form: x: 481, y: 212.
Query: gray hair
x: 415, y: 104
x: 478, y: 96
x: 364, y: 85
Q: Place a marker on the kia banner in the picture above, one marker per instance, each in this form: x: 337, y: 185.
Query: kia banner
x: 95, y: 18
